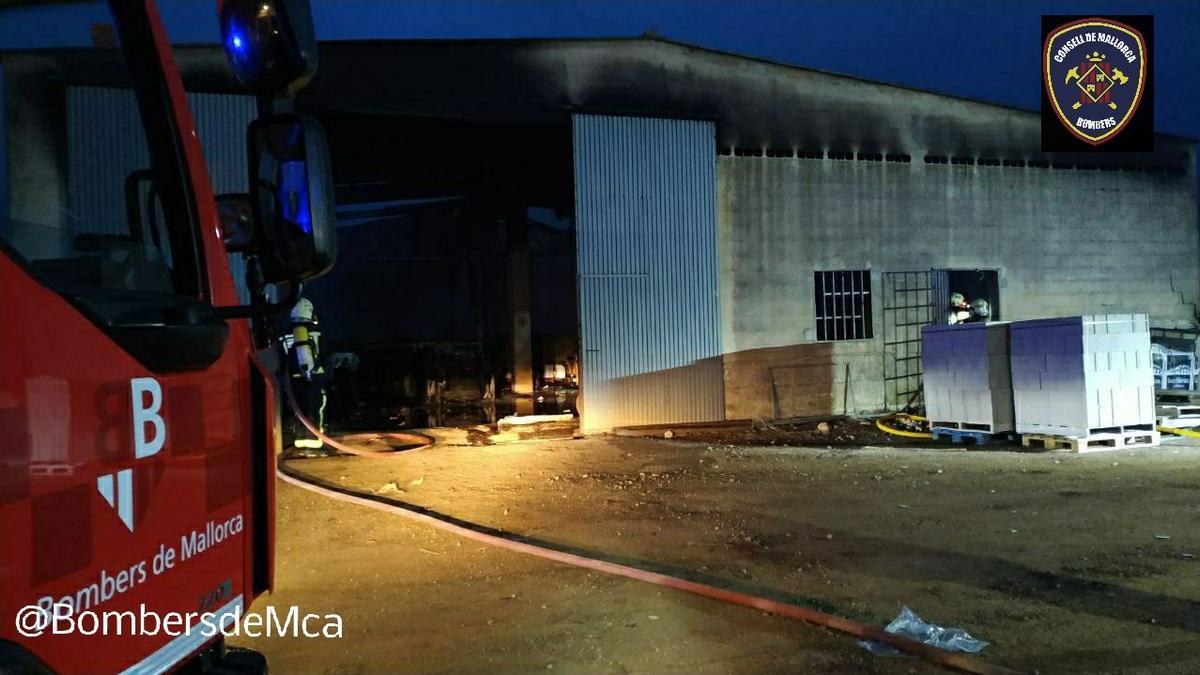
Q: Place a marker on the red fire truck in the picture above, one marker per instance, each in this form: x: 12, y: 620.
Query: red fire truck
x: 137, y: 427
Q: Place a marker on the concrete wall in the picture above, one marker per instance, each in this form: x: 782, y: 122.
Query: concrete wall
x: 1065, y: 242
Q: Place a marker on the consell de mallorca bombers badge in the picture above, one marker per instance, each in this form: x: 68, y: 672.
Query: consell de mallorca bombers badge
x: 1094, y: 70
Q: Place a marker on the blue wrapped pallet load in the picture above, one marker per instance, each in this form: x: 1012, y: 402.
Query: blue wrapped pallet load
x: 1083, y: 382
x: 967, y: 379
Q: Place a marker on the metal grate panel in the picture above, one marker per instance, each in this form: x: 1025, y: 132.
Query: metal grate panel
x: 907, y: 307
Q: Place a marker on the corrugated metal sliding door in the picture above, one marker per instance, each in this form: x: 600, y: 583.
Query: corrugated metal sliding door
x: 105, y: 143
x: 646, y: 218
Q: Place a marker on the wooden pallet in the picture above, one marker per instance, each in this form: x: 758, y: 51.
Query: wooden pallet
x: 962, y: 436
x: 1178, y: 422
x: 963, y: 426
x: 1184, y: 397
x: 1177, y: 409
x: 1172, y: 410
x: 1134, y: 438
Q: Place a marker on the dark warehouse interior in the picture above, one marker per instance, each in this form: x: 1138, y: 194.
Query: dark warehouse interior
x: 439, y: 261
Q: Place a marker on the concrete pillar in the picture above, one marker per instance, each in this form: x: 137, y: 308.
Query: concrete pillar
x: 520, y: 302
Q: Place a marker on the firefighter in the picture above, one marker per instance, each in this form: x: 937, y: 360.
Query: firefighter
x: 981, y: 311
x: 303, y: 345
x: 960, y: 311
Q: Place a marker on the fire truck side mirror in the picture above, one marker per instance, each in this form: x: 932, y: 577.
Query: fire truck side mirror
x: 291, y: 197
x: 269, y: 44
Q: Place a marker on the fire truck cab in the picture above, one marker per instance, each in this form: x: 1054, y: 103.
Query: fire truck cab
x: 138, y: 430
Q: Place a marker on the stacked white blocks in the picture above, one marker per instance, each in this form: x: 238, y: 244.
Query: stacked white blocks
x: 968, y: 382
x: 1082, y: 375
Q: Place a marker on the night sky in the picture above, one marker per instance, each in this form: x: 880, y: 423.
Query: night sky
x: 983, y: 50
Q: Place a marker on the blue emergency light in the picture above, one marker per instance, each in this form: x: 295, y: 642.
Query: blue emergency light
x: 269, y: 43
x: 293, y: 195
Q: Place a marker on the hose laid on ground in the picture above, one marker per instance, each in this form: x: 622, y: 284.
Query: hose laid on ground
x: 1179, y: 432
x: 512, y: 542
x: 340, y: 447
x: 884, y: 427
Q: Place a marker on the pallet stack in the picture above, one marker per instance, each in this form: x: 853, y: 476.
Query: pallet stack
x: 968, y: 385
x: 1083, y: 383
x: 1177, y: 409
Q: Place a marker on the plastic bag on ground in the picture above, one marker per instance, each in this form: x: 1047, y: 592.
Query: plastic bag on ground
x: 911, y: 626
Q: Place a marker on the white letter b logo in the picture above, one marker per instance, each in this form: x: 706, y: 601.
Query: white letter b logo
x: 144, y: 414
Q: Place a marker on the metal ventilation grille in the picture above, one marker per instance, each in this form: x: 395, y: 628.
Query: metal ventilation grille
x: 843, y: 304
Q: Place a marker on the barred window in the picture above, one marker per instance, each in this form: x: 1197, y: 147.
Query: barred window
x: 843, y: 302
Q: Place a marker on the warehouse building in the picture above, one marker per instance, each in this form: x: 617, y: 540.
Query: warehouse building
x: 706, y: 236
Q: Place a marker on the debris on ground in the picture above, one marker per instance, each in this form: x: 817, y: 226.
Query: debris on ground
x: 913, y: 627
x: 537, y: 427
x: 824, y: 431
x: 292, y: 452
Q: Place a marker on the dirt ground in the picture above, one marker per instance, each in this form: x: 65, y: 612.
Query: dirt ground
x: 1064, y: 562
x: 830, y: 432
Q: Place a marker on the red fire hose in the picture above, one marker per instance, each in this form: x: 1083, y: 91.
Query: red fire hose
x: 511, y: 542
